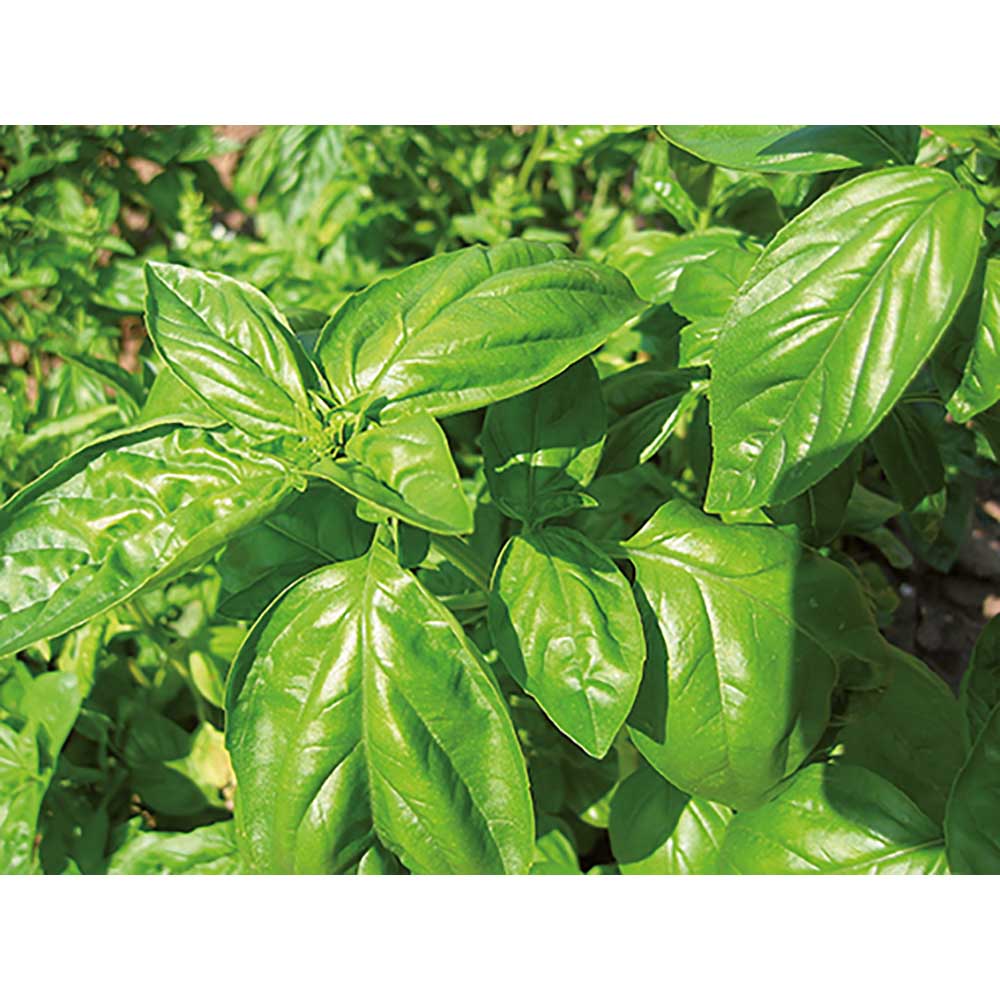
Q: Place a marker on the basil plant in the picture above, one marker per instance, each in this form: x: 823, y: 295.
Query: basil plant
x: 544, y: 558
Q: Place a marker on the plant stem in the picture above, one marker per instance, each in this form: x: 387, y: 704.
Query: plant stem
x: 531, y: 160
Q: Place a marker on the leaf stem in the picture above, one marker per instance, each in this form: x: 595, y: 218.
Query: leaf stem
x: 531, y: 160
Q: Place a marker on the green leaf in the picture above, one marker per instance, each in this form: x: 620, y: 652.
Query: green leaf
x: 657, y: 829
x: 745, y: 634
x: 30, y: 743
x: 120, y: 515
x: 834, y: 820
x: 316, y: 528
x: 980, y: 385
x: 404, y: 467
x: 465, y: 329
x: 227, y: 342
x: 980, y: 690
x: 908, y: 453
x: 358, y: 712
x: 647, y: 405
x: 555, y: 852
x: 566, y: 627
x: 912, y: 736
x: 819, y: 513
x: 870, y: 274
x: 170, y: 401
x: 207, y: 850
x: 540, y: 449
x: 972, y: 822
x: 797, y: 148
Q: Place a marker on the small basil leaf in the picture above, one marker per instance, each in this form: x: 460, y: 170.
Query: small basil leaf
x: 979, y: 388
x: 834, y: 820
x: 227, y: 342
x: 359, y: 713
x: 469, y: 328
x: 657, y: 829
x: 908, y: 453
x: 404, y: 468
x: 873, y: 270
x: 566, y: 627
x: 132, y: 509
x: 544, y: 446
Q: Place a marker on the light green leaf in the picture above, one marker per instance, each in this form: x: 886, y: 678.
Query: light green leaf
x: 206, y: 850
x: 555, y: 852
x: 540, y: 449
x: 224, y: 340
x: 797, y: 148
x: 657, y: 829
x: 566, y: 627
x: 980, y: 385
x: 469, y: 328
x: 30, y: 743
x: 404, y: 467
x: 358, y: 712
x: 120, y: 515
x: 870, y: 273
x: 745, y: 633
x: 834, y: 820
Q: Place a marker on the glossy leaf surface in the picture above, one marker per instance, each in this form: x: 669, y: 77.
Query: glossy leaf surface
x: 566, y: 627
x: 119, y: 515
x: 226, y: 342
x: 360, y: 713
x: 542, y: 448
x: 979, y: 388
x: 465, y: 329
x: 834, y: 820
x: 657, y: 829
x: 207, y: 850
x: 405, y: 468
x: 797, y: 148
x: 835, y: 319
x: 745, y: 632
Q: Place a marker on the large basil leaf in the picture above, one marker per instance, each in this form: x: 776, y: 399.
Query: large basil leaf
x: 207, y: 850
x: 318, y: 527
x: 980, y: 691
x: 359, y: 712
x: 29, y: 745
x: 745, y: 634
x: 566, y: 627
x: 404, y: 467
x: 980, y: 385
x: 170, y: 401
x: 869, y: 274
x: 119, y: 515
x: 657, y: 829
x: 469, y: 328
x: 912, y: 736
x: 797, y: 148
x: 227, y: 342
x: 834, y: 820
x: 972, y: 822
x: 541, y: 448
